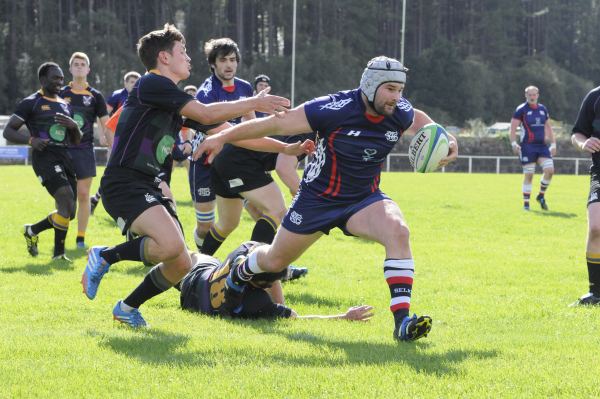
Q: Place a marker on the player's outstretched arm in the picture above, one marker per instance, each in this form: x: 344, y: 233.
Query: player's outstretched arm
x: 209, y: 114
x: 355, y: 313
x: 294, y: 122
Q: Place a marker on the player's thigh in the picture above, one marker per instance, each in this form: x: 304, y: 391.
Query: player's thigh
x: 230, y: 212
x: 268, y: 199
x: 157, y: 223
x: 381, y: 221
x: 286, y: 248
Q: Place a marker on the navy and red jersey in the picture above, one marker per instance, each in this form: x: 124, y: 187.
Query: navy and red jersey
x: 533, y: 118
x: 351, y: 145
x: 202, y: 289
x: 213, y: 91
x: 38, y: 111
x: 588, y: 120
x: 117, y: 99
x: 87, y: 105
x: 148, y: 124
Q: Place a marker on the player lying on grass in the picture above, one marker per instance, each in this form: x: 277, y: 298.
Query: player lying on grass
x: 202, y: 290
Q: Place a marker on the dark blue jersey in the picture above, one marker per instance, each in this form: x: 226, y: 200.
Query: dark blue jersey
x: 533, y: 120
x: 212, y: 91
x: 117, y: 99
x: 351, y: 145
x: 87, y: 105
x: 588, y: 120
x: 38, y: 111
x: 148, y: 124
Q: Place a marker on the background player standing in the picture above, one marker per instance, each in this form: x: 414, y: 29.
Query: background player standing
x: 88, y: 105
x: 51, y: 129
x: 340, y: 188
x: 536, y: 132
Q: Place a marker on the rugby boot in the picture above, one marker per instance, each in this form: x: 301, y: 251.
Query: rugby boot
x: 32, y: 242
x: 294, y: 273
x: 542, y: 200
x: 413, y: 328
x: 132, y: 319
x: 588, y: 299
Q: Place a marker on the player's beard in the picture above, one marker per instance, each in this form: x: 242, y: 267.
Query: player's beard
x: 380, y: 108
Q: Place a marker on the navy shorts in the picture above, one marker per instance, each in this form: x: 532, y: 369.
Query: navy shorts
x: 530, y: 153
x: 84, y: 162
x: 199, y: 178
x: 54, y: 169
x: 310, y: 213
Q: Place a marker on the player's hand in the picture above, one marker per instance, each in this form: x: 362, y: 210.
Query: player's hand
x: 211, y: 145
x: 65, y: 121
x: 102, y: 140
x: 516, y: 149
x: 299, y: 148
x: 186, y: 148
x: 553, y: 150
x: 452, y: 154
x: 271, y: 104
x: 359, y: 313
x: 39, y: 144
x: 591, y: 145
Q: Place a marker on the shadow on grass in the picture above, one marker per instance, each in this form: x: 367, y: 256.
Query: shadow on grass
x: 555, y: 214
x: 37, y: 269
x: 159, y: 347
x: 310, y: 299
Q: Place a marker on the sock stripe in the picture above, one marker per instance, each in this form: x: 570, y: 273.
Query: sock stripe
x: 269, y: 220
x: 216, y: 235
x: 59, y: 222
x: 399, y: 280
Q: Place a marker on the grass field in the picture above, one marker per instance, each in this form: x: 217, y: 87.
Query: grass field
x: 496, y: 280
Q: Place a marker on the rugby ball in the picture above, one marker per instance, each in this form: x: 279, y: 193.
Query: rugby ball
x: 429, y: 146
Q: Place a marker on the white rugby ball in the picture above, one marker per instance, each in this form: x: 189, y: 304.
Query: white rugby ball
x: 429, y: 146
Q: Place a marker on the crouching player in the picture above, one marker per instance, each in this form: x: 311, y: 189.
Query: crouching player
x: 203, y: 290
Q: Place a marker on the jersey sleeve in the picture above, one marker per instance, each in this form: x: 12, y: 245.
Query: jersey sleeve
x: 518, y: 114
x: 405, y: 114
x: 258, y: 304
x: 24, y: 109
x: 320, y: 113
x: 113, y: 100
x: 162, y: 93
x: 585, y: 117
x: 205, y: 93
x: 100, y: 108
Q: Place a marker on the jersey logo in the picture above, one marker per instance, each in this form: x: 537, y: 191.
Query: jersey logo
x: 87, y: 101
x: 295, y: 218
x: 336, y: 105
x: 529, y: 113
x: 57, y: 169
x: 391, y: 135
x: 353, y: 133
x: 404, y: 106
x: 369, y: 154
x: 206, y: 87
x: 314, y: 167
x: 542, y: 112
x: 45, y: 108
x: 65, y: 107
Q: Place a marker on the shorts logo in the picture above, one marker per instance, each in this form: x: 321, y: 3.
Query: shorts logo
x: 391, y: 136
x: 121, y: 223
x: 314, y: 167
x: 336, y: 105
x: 525, y: 159
x: 150, y: 198
x: 593, y: 197
x: 41, y: 179
x: 203, y: 191
x: 295, y: 218
x: 237, y: 182
x: 57, y: 169
x: 369, y: 154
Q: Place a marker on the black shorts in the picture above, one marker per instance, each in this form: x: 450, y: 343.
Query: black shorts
x: 84, y: 162
x: 54, y: 169
x: 126, y: 194
x: 594, y: 187
x: 236, y: 170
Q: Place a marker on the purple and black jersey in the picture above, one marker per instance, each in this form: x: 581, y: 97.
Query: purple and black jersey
x: 148, y: 125
x: 588, y: 121
x: 212, y: 91
x: 38, y: 111
x: 117, y: 99
x: 87, y: 105
x: 533, y: 119
x: 351, y: 145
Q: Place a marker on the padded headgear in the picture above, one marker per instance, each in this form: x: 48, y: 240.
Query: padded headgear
x: 261, y: 78
x: 379, y: 71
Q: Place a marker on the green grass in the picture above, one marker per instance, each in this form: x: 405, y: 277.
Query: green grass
x: 496, y: 280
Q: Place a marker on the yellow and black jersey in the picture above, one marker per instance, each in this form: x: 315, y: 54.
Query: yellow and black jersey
x: 87, y: 105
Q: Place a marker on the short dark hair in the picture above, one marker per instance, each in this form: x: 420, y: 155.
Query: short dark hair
x: 156, y: 41
x: 220, y: 48
x: 45, y: 67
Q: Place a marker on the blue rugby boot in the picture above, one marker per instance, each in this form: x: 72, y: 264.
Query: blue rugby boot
x: 95, y: 269
x: 133, y: 319
x: 413, y: 328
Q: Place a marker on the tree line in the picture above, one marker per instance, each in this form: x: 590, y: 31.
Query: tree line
x: 468, y: 58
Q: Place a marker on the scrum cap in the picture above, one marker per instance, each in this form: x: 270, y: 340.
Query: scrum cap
x: 378, y: 71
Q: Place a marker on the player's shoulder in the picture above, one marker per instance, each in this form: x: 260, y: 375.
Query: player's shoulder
x: 206, y: 87
x: 521, y: 107
x: 95, y: 92
x: 117, y: 92
x: 64, y: 90
x: 336, y: 101
x: 242, y: 83
x: 404, y: 106
x: 32, y: 97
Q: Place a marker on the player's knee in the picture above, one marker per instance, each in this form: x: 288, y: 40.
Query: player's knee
x: 171, y: 247
x: 399, y: 232
x: 226, y: 226
x: 594, y: 231
x: 83, y: 194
